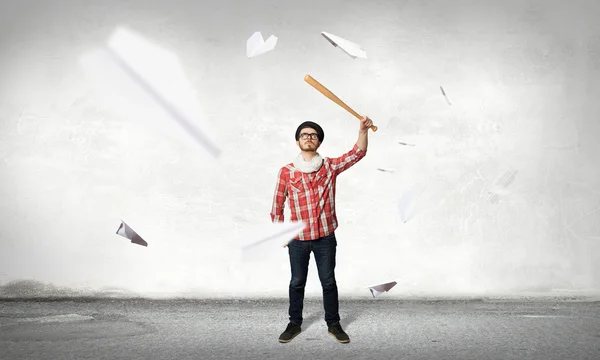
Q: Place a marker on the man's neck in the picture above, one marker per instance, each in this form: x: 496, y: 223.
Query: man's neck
x: 308, y: 155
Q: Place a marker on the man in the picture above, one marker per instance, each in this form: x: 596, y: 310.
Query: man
x: 309, y: 185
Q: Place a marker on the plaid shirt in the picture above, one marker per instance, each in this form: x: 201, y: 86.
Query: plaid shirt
x: 312, y: 196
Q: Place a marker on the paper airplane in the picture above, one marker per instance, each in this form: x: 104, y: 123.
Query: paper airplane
x: 406, y: 206
x: 500, y: 186
x: 256, y: 45
x: 125, y: 231
x: 444, y: 93
x: 385, y: 170
x: 268, y: 239
x: 350, y: 48
x: 377, y: 290
x: 412, y: 201
x: 132, y: 68
x: 277, y: 232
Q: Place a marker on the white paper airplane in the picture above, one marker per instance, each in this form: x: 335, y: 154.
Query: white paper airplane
x: 444, y: 93
x: 140, y: 74
x: 267, y: 239
x: 281, y: 233
x: 350, y: 48
x: 125, y: 231
x: 500, y: 186
x: 407, y: 205
x: 385, y: 170
x: 377, y: 290
x: 256, y: 45
x: 412, y: 202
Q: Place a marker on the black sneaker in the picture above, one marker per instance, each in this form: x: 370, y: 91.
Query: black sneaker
x: 338, y: 333
x: 290, y: 332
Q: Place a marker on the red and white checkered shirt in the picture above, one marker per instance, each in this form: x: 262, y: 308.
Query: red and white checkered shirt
x: 312, y: 196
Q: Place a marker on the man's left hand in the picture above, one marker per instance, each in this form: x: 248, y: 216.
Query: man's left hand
x: 365, y: 123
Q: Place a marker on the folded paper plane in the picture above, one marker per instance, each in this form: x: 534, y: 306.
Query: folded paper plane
x: 266, y: 241
x: 377, y: 290
x: 445, y: 96
x: 501, y: 185
x: 385, y: 170
x: 280, y: 233
x: 125, y: 231
x: 413, y: 201
x: 350, y: 48
x: 131, y: 67
x: 406, y: 206
x: 256, y: 45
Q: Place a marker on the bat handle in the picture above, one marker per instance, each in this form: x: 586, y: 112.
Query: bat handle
x: 372, y: 127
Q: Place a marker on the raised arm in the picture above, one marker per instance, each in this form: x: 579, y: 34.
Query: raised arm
x: 344, y: 162
x: 363, y: 139
x: 279, y: 198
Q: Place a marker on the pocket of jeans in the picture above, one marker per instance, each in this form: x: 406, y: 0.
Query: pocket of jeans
x: 330, y: 237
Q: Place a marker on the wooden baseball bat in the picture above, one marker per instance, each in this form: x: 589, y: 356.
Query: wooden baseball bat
x: 323, y: 90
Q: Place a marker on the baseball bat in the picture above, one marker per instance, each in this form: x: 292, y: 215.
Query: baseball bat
x: 323, y: 90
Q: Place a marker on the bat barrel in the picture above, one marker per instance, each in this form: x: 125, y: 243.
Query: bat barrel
x: 325, y: 91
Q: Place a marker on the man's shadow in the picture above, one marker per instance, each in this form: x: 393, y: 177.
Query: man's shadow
x: 349, y: 319
x: 309, y: 321
x: 345, y: 321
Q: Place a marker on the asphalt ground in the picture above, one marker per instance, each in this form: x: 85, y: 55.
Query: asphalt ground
x: 249, y: 329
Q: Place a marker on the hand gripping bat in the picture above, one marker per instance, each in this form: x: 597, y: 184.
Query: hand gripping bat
x: 323, y: 90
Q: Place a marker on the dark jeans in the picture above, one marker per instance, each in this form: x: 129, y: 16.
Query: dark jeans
x: 324, y: 250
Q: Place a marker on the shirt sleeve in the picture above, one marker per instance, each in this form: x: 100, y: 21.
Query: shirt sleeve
x: 279, y: 198
x: 344, y: 162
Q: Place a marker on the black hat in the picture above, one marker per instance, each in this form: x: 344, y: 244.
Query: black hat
x: 312, y: 125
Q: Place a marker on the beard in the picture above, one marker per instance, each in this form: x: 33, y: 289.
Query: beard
x: 308, y: 147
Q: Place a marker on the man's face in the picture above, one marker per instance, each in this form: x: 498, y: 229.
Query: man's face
x: 308, y: 140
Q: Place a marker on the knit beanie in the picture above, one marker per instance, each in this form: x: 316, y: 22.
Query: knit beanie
x: 312, y: 125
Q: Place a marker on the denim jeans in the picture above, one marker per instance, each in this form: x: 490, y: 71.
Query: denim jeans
x: 324, y: 252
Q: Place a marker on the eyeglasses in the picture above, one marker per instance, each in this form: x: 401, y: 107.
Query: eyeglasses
x: 313, y: 136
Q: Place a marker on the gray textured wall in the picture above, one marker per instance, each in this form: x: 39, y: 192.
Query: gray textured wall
x: 522, y: 77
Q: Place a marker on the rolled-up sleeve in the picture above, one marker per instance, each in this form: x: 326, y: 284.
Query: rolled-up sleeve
x: 344, y: 162
x: 279, y: 198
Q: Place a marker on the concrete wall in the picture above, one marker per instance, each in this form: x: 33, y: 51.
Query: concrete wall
x: 521, y: 76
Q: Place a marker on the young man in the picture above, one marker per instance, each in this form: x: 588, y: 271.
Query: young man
x: 309, y: 185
